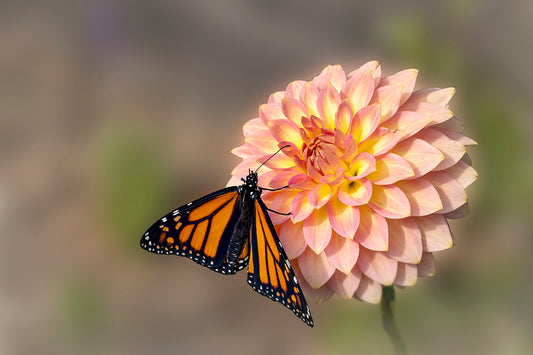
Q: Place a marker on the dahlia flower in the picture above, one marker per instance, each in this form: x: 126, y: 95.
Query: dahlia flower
x: 374, y: 170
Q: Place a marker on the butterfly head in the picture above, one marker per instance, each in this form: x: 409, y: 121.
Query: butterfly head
x: 251, y: 180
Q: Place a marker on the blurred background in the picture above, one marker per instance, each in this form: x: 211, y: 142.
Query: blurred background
x: 114, y: 112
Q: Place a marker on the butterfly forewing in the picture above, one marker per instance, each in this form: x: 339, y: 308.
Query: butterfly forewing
x: 270, y: 272
x: 200, y: 230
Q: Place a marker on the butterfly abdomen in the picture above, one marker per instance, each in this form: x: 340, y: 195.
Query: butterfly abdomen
x: 241, y: 232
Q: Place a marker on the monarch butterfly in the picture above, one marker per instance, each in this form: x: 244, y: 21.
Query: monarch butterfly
x: 227, y: 230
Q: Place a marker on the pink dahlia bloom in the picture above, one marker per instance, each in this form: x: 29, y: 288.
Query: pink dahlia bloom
x: 374, y: 170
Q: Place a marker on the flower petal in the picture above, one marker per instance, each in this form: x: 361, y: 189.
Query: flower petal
x: 285, y: 130
x: 365, y: 122
x: 389, y: 201
x: 281, y: 203
x: 389, y: 97
x: 407, y: 123
x: 344, y: 218
x: 292, y: 238
x: 436, y: 234
x: 316, y: 269
x: 342, y: 253
x: 373, y: 231
x: 355, y: 193
x: 294, y: 89
x: 434, y: 96
x: 436, y: 113
x: 328, y: 103
x: 377, y: 265
x: 345, y: 284
x: 422, y: 156
x: 373, y: 66
x: 406, y: 275
x: 453, y: 151
x: 405, y: 241
x: 390, y: 168
x: 318, y: 295
x: 319, y: 195
x: 404, y: 79
x: 381, y: 141
x: 294, y: 110
x: 426, y: 267
x: 369, y: 290
x: 269, y: 112
x: 317, y: 230
x: 309, y: 97
x: 463, y: 173
x: 362, y: 165
x: 423, y: 197
x: 300, y: 207
x: 343, y: 117
x: 359, y: 90
x: 451, y: 193
x: 331, y: 75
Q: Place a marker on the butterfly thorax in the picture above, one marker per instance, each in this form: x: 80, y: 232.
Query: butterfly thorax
x: 248, y: 192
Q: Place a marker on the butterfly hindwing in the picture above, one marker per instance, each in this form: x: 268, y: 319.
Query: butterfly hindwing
x: 200, y: 230
x: 270, y: 272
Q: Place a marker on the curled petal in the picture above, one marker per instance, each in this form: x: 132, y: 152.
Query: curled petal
x: 381, y: 141
x: 369, y: 290
x: 300, y: 207
x: 345, y: 284
x: 389, y: 201
x: 361, y: 166
x: 294, y: 110
x: 285, y: 130
x: 453, y: 125
x: 328, y: 102
x: 390, y: 168
x: 451, y: 193
x: 405, y: 241
x: 359, y: 90
x: 436, y: 113
x: 292, y: 238
x: 365, y: 122
x: 456, y: 136
x: 406, y: 275
x: 355, y: 193
x: 242, y: 151
x: 405, y: 80
x: 343, y: 117
x: 350, y: 149
x: 463, y: 173
x: 377, y: 265
x: 373, y: 67
x: 459, y: 212
x: 342, y: 253
x: 436, y: 234
x: 422, y: 195
x: 319, y: 195
x: 317, y: 230
x: 426, y: 267
x: 407, y: 123
x: 276, y: 97
x: 453, y: 151
x: 315, y: 268
x: 422, y: 156
x: 344, y: 219
x: 434, y: 96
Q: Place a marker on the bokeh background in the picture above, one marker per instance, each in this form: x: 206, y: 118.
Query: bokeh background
x: 114, y: 112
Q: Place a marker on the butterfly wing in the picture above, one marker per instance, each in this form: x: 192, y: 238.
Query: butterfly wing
x: 200, y: 230
x: 270, y: 272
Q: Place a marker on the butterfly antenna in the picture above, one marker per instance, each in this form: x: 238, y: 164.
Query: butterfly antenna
x: 270, y: 157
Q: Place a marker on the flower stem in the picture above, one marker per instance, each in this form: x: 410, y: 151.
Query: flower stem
x: 388, y: 320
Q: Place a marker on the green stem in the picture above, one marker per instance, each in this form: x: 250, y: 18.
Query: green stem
x: 388, y: 320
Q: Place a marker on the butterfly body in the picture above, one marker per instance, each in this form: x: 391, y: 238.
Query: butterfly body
x: 227, y: 230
